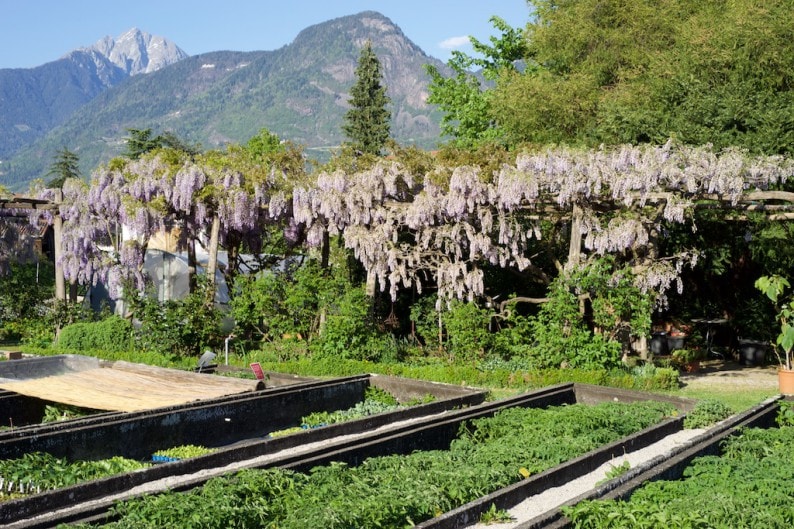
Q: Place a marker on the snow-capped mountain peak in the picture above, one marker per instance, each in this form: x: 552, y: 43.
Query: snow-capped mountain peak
x: 136, y: 51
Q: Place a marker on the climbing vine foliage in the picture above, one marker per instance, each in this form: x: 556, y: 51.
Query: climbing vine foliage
x: 445, y: 224
x: 411, y: 229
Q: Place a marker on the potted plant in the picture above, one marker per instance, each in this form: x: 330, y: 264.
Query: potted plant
x: 687, y: 359
x: 753, y: 325
x: 773, y: 287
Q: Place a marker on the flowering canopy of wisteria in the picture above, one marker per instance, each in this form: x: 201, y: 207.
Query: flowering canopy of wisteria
x: 142, y: 198
x: 405, y: 231
x: 410, y: 230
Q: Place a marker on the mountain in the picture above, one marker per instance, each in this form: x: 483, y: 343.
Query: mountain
x: 298, y: 92
x: 33, y: 101
x: 138, y: 52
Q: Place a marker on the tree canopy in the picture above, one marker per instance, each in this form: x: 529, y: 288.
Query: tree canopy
x: 366, y: 124
x: 65, y: 165
x: 617, y: 71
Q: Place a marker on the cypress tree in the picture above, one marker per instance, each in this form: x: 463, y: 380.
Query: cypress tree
x: 366, y: 124
x: 66, y: 164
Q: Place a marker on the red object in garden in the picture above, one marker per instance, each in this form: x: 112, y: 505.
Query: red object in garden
x: 257, y: 369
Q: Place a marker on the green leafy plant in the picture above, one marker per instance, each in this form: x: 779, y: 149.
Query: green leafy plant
x: 785, y: 417
x: 62, y: 412
x: 181, y: 452
x: 35, y: 472
x: 494, y: 516
x: 773, y: 287
x: 110, y: 334
x: 619, y: 309
x: 706, y: 413
x: 685, y: 358
x: 615, y: 471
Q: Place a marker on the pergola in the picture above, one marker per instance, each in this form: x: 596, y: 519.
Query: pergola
x: 22, y: 205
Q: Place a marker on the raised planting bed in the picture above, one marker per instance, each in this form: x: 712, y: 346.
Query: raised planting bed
x: 398, y: 490
x: 305, y: 451
x: 41, y: 376
x: 213, y: 422
x: 743, y: 476
x: 138, y: 436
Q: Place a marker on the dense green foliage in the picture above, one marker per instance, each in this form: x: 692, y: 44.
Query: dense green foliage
x: 488, y: 374
x: 464, y: 100
x: 366, y: 124
x: 376, y: 400
x: 307, y: 308
x: 399, y: 490
x: 181, y: 452
x: 180, y: 327
x: 24, y: 293
x: 110, y: 334
x: 750, y: 485
x: 706, y: 413
x: 633, y: 72
x: 36, y: 472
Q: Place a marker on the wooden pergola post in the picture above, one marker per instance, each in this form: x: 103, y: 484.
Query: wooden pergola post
x: 57, y: 224
x: 212, y: 261
x: 575, y: 246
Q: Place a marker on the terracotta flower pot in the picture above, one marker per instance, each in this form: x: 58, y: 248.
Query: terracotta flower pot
x: 785, y: 381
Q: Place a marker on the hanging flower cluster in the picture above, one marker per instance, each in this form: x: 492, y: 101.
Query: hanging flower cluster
x: 107, y: 225
x: 447, y: 231
x: 408, y: 229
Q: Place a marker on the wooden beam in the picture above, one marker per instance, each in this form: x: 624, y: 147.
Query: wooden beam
x: 57, y: 224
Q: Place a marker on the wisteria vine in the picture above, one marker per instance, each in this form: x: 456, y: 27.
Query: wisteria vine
x: 404, y: 232
x: 408, y: 230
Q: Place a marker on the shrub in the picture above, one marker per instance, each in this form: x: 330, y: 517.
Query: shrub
x: 468, y: 336
x: 706, y: 413
x: 112, y: 334
x: 349, y: 328
x: 184, y: 327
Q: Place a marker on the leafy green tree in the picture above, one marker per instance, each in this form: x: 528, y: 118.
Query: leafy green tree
x: 366, y: 124
x: 139, y: 142
x: 617, y: 71
x: 65, y: 165
x: 264, y: 144
x: 464, y: 98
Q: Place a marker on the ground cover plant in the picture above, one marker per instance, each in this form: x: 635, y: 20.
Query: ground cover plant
x: 181, y: 452
x: 376, y: 400
x: 751, y: 484
x: 398, y: 490
x: 37, y: 472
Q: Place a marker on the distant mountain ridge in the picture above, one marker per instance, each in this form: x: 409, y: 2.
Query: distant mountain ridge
x: 137, y: 52
x: 35, y: 100
x: 299, y: 92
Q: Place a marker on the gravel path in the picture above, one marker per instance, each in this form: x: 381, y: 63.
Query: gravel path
x: 556, y: 496
x: 717, y: 374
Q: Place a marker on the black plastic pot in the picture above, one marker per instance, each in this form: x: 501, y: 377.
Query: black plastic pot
x: 752, y: 352
x: 659, y: 343
x: 675, y: 342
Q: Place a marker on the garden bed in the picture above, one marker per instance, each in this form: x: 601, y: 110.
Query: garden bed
x: 377, y: 436
x: 747, y: 466
x: 237, y: 426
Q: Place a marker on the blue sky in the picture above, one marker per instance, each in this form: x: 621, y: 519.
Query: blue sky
x: 33, y: 32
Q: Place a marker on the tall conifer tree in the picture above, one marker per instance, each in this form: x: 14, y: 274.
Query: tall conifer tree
x: 366, y: 124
